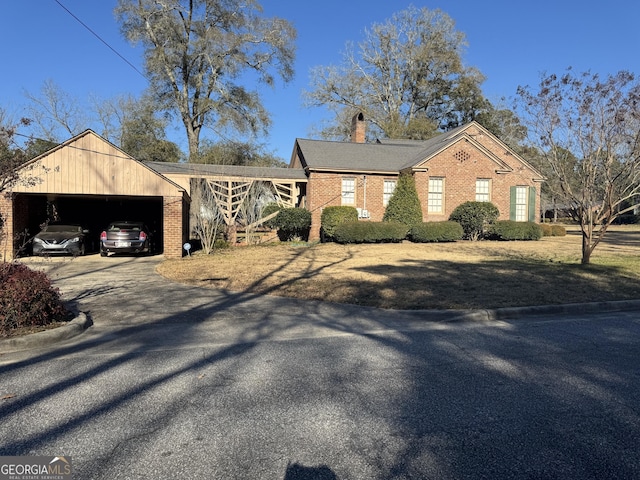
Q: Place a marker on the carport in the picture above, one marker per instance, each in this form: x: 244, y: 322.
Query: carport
x: 89, y: 181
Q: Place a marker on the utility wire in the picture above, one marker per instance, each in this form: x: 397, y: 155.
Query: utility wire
x: 100, y: 38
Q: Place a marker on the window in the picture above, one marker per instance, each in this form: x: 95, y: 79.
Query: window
x: 483, y: 189
x: 349, y: 191
x: 521, y: 204
x: 387, y: 191
x: 436, y: 195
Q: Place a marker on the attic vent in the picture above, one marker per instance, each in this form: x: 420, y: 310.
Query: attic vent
x: 462, y: 156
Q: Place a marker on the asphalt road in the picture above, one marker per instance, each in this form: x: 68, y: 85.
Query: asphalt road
x: 177, y: 382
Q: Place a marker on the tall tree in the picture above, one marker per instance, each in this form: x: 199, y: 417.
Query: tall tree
x: 197, y: 53
x: 587, y: 130
x: 136, y: 126
x: 407, y: 77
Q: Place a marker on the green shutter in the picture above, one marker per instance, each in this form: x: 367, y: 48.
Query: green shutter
x: 532, y: 204
x: 512, y: 204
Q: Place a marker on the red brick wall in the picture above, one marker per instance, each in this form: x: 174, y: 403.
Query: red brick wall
x: 325, y: 189
x: 175, y: 232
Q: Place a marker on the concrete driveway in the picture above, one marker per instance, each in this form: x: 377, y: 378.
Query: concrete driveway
x: 124, y: 298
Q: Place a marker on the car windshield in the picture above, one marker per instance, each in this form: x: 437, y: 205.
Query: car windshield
x: 62, y: 228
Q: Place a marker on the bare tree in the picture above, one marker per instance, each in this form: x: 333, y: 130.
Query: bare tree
x: 197, y: 51
x: 57, y: 114
x: 406, y: 76
x: 588, y: 132
x: 207, y: 219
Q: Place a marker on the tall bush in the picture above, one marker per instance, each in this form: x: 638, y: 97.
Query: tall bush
x: 404, y: 205
x: 333, y: 216
x: 475, y: 218
x: 293, y: 224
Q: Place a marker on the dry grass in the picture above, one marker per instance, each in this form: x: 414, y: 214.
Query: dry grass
x: 427, y: 276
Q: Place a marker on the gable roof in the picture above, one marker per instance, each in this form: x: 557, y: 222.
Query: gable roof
x: 393, y: 155
x: 89, y: 164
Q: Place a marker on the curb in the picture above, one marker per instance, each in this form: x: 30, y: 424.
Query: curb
x: 81, y: 322
x: 515, y: 313
x: 47, y: 337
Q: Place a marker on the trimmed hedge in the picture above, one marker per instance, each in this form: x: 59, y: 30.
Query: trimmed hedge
x: 27, y: 299
x: 436, y: 232
x: 370, y: 232
x: 333, y: 216
x: 510, y: 230
x: 553, y: 230
x: 475, y: 218
x: 293, y: 224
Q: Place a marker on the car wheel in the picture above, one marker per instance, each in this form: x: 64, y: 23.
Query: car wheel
x: 103, y: 254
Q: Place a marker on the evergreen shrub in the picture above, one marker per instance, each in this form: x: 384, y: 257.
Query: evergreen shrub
x: 436, y: 232
x: 475, y: 218
x: 370, y: 232
x: 404, y: 205
x: 268, y: 210
x: 27, y: 299
x: 293, y: 224
x: 510, y: 230
x: 333, y: 216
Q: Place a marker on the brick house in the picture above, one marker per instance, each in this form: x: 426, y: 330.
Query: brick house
x: 88, y: 180
x: 465, y: 164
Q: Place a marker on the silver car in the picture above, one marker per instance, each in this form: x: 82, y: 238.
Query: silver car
x: 125, y: 237
x: 60, y: 239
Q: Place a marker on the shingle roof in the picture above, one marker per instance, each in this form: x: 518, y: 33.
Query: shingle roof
x: 227, y: 170
x: 384, y: 156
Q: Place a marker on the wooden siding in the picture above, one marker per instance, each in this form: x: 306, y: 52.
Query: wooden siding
x: 89, y: 165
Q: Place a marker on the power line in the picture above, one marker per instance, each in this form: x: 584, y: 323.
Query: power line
x: 100, y: 38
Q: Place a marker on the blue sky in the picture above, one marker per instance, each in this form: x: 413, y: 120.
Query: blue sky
x: 510, y: 42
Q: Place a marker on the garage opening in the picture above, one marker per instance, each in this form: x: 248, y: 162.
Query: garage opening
x: 93, y: 212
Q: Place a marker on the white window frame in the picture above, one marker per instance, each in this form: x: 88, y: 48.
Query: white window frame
x: 389, y: 186
x: 348, y: 191
x: 522, y: 204
x: 483, y: 189
x: 435, y: 198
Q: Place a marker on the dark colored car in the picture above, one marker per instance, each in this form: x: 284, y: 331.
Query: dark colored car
x: 60, y: 239
x: 125, y: 237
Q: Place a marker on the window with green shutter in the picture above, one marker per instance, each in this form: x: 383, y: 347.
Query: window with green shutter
x: 522, y: 204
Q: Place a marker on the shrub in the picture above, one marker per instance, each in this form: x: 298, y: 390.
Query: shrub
x: 436, y: 232
x: 293, y: 224
x: 475, y: 218
x: 510, y: 230
x: 27, y: 298
x: 404, y: 205
x: 370, y: 232
x: 553, y: 230
x: 268, y: 210
x: 333, y: 216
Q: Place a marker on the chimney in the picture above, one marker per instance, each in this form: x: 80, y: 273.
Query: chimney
x: 358, y: 128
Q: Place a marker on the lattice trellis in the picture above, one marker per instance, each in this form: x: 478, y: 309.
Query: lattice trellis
x: 229, y: 195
